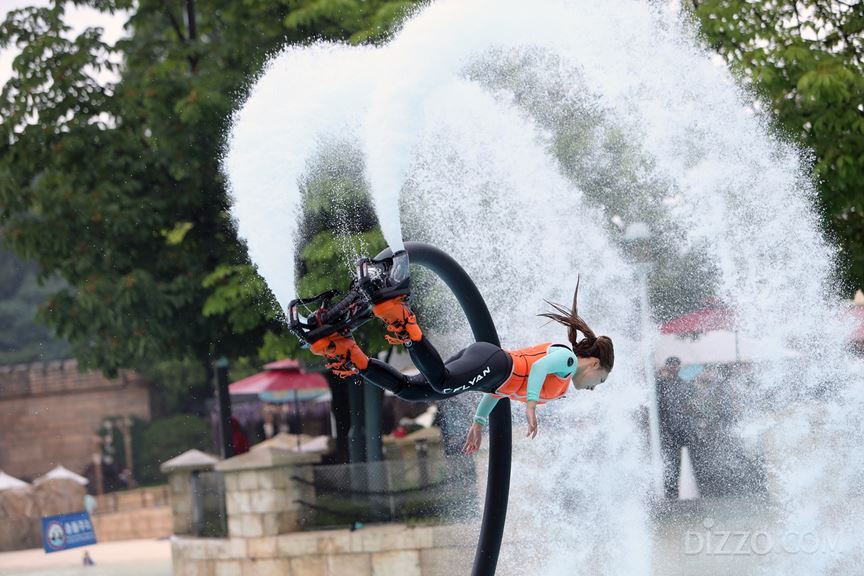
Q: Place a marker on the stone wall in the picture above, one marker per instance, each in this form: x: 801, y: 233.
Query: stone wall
x: 264, y: 501
x: 133, y: 514
x: 131, y: 500
x: 387, y: 550
x: 146, y: 523
x: 264, y: 490
x: 50, y: 412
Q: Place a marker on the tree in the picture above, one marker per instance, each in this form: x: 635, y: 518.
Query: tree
x: 805, y: 61
x: 116, y: 186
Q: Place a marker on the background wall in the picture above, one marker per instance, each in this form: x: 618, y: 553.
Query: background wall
x: 49, y: 414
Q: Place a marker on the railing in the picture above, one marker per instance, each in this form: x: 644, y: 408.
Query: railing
x: 209, y: 517
x: 391, y: 490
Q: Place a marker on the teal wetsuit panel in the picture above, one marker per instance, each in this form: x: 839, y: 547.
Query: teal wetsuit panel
x: 558, y: 360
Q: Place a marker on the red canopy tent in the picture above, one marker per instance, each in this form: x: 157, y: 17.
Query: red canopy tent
x: 709, y: 335
x: 280, y: 376
x: 700, y: 321
x: 703, y: 336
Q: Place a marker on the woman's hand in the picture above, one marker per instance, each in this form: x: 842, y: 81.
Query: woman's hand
x: 472, y: 442
x: 530, y: 412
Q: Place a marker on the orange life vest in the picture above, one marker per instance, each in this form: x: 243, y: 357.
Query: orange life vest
x: 516, y: 386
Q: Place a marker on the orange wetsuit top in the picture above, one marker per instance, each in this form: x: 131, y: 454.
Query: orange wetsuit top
x: 549, y: 383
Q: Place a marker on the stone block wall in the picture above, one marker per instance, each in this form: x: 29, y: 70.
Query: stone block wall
x: 386, y: 550
x: 262, y: 502
x: 264, y: 537
x: 50, y: 412
x: 181, y: 503
x: 147, y: 523
x: 136, y: 499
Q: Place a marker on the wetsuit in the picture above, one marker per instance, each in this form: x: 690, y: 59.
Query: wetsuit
x: 480, y: 367
x: 539, y: 373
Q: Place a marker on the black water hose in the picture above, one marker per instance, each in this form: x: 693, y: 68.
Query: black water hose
x: 500, y: 428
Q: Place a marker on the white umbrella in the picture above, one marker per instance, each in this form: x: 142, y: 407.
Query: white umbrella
x: 61, y: 473
x: 8, y: 482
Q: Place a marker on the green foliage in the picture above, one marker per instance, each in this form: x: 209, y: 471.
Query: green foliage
x: 116, y: 187
x: 241, y: 295
x: 367, y: 21
x: 805, y: 60
x: 159, y: 441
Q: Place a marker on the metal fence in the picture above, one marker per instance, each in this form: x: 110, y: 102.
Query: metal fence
x: 209, y: 517
x: 391, y: 490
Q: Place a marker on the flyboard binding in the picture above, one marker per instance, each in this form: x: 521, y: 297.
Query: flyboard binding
x: 376, y: 281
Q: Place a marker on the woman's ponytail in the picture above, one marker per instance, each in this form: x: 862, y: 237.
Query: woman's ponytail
x: 599, y: 347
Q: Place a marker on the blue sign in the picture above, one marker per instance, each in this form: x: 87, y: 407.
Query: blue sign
x: 67, y: 531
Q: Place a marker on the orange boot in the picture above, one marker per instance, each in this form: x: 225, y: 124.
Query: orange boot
x: 399, y: 319
x: 347, y: 356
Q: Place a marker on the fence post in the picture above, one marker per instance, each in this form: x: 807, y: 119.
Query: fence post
x: 180, y: 471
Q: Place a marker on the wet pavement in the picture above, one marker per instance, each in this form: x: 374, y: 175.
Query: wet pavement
x: 128, y: 558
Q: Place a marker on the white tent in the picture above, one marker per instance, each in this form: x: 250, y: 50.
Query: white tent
x: 61, y: 473
x: 710, y: 336
x: 717, y: 346
x: 8, y: 482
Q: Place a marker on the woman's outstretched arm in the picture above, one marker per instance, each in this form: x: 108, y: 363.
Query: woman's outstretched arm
x: 481, y: 418
x: 484, y: 408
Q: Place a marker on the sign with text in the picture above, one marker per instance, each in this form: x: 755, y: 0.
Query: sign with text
x: 66, y: 531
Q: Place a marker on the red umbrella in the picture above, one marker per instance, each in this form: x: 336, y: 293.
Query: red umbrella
x: 280, y: 376
x: 701, y: 321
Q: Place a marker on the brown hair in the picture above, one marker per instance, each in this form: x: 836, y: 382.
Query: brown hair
x: 599, y: 347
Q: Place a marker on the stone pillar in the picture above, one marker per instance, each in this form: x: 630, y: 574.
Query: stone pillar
x: 260, y: 494
x: 180, y: 471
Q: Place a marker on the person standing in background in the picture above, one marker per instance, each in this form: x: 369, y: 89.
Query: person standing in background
x: 673, y: 404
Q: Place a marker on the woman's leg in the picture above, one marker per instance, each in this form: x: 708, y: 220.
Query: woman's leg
x: 346, y: 359
x: 412, y: 388
x: 428, y: 361
x: 479, y: 367
x: 480, y: 364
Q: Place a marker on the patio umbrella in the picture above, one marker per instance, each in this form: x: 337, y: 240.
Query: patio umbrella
x: 282, y: 376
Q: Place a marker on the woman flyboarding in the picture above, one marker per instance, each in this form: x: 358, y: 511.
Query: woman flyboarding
x: 534, y: 375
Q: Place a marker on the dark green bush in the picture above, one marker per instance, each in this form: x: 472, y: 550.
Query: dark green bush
x: 164, y: 439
